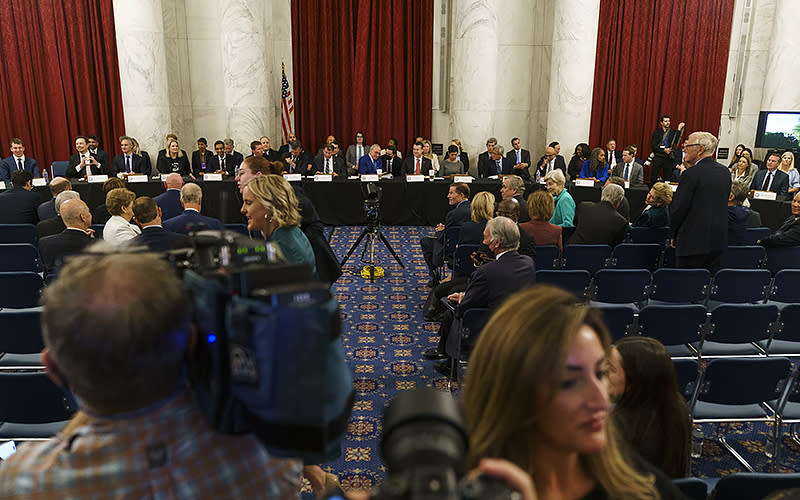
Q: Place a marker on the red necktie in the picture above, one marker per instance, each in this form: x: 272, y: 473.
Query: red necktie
x: 418, y: 168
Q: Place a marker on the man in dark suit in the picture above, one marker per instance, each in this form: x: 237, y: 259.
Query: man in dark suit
x: 238, y: 158
x: 297, y: 160
x: 84, y: 163
x: 788, y: 235
x: 201, y: 157
x: 699, y: 209
x: 433, y: 246
x: 77, y: 235
x: 17, y: 161
x: 488, y: 285
x: 771, y: 178
x: 613, y: 157
x: 520, y: 158
x: 56, y: 224
x: 628, y: 169
x: 267, y: 152
x: 284, y: 149
x: 662, y: 143
x: 560, y: 163
x: 416, y: 163
x: 192, y: 202
x: 221, y: 161
x: 549, y: 162
x: 740, y: 217
x: 18, y: 205
x: 391, y: 162
x: 497, y: 164
x: 486, y: 157
x: 600, y: 223
x: 128, y: 161
x: 47, y: 210
x: 153, y: 236
x: 170, y: 201
x: 514, y: 188
x: 94, y: 149
x: 329, y: 163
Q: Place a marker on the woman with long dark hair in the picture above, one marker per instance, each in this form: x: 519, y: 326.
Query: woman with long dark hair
x: 595, y: 167
x: 580, y: 155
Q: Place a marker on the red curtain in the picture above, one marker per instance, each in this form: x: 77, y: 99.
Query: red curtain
x: 60, y: 76
x: 362, y: 65
x: 659, y: 57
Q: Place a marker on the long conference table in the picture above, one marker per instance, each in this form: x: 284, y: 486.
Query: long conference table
x: 341, y: 202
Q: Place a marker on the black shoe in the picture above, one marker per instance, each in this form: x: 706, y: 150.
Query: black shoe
x: 443, y: 367
x: 433, y: 354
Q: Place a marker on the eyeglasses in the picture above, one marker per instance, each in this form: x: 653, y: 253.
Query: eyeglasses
x: 690, y: 145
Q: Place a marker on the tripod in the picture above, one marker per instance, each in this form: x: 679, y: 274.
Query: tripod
x: 373, y: 233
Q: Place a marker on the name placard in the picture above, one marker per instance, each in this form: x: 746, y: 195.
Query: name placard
x: 98, y: 178
x: 467, y: 179
x: 370, y: 177
x: 323, y: 178
x: 415, y: 178
x: 293, y: 177
x: 164, y: 177
x: 137, y: 178
x: 673, y: 186
x: 212, y: 177
x: 39, y: 182
x: 764, y: 195
x: 627, y: 184
x: 584, y: 182
x: 2, y: 185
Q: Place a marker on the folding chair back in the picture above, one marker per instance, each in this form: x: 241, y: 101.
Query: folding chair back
x: 657, y: 235
x: 686, y: 373
x: 680, y: 286
x: 20, y: 337
x: 18, y: 233
x: 636, y: 256
x: 753, y: 485
x: 547, y: 257
x: 743, y: 257
x: 674, y: 325
x: 693, y: 488
x: 621, y: 286
x: 786, y: 287
x: 740, y: 286
x: 462, y: 261
x: 16, y: 257
x: 18, y: 290
x: 618, y: 318
x: 743, y: 381
x: 472, y: 323
x: 59, y: 168
x: 588, y: 257
x: 575, y: 281
x: 736, y: 327
x: 783, y: 258
x: 753, y: 234
x: 33, y: 407
x: 786, y: 339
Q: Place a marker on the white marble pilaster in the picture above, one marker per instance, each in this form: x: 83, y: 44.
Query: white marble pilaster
x: 143, y: 72
x: 779, y: 93
x: 572, y: 71
x: 475, y: 72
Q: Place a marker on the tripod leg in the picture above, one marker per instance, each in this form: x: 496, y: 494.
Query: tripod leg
x: 391, y: 250
x: 355, y: 245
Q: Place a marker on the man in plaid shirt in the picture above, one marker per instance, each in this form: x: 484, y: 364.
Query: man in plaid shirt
x: 116, y: 331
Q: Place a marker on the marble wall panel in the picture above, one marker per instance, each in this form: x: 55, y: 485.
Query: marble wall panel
x: 514, y: 77
x: 515, y: 19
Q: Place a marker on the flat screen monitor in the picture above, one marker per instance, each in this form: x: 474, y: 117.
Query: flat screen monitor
x: 778, y: 130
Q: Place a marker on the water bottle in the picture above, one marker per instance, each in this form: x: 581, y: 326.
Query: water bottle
x: 697, y: 441
x: 45, y: 176
x: 769, y: 443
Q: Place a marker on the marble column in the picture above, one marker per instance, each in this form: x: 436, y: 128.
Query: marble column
x: 474, y: 71
x: 143, y: 73
x: 782, y: 61
x: 249, y: 94
x: 572, y: 69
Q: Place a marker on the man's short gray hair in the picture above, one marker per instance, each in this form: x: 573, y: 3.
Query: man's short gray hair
x: 707, y: 140
x: 515, y: 183
x: 505, y: 231
x: 499, y: 149
x: 227, y: 141
x: 64, y: 196
x: 612, y: 194
x: 191, y: 193
x: 739, y: 190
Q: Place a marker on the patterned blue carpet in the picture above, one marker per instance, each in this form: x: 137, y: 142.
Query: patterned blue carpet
x: 384, y: 336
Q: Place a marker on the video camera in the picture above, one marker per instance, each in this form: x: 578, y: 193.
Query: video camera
x: 269, y: 358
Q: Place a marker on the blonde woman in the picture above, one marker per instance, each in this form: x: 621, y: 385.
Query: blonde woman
x: 536, y: 393
x: 787, y: 166
x: 118, y: 229
x: 743, y: 169
x: 427, y: 152
x: 656, y: 213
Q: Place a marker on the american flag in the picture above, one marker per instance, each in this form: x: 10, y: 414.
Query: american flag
x: 287, y: 106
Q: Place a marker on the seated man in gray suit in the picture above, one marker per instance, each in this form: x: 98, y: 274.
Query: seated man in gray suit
x: 629, y: 169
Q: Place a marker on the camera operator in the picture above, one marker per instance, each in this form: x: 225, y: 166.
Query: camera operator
x: 121, y: 356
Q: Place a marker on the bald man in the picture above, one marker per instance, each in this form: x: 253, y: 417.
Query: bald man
x: 47, y: 210
x: 170, y: 201
x: 55, y: 225
x: 77, y: 235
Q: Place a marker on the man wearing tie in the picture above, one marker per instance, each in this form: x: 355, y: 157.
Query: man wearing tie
x: 629, y: 169
x: 221, y: 162
x: 416, y: 164
x: 391, y: 162
x: 356, y: 151
x: 771, y: 179
x: 788, y: 235
x: 371, y: 163
x: 520, y: 158
x: 128, y: 162
x: 328, y: 163
x: 613, y: 157
x: 662, y: 142
x: 297, y: 160
x: 497, y: 164
x: 84, y: 163
x: 17, y: 161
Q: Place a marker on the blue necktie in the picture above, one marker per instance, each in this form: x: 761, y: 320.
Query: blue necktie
x: 499, y: 168
x: 627, y: 165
